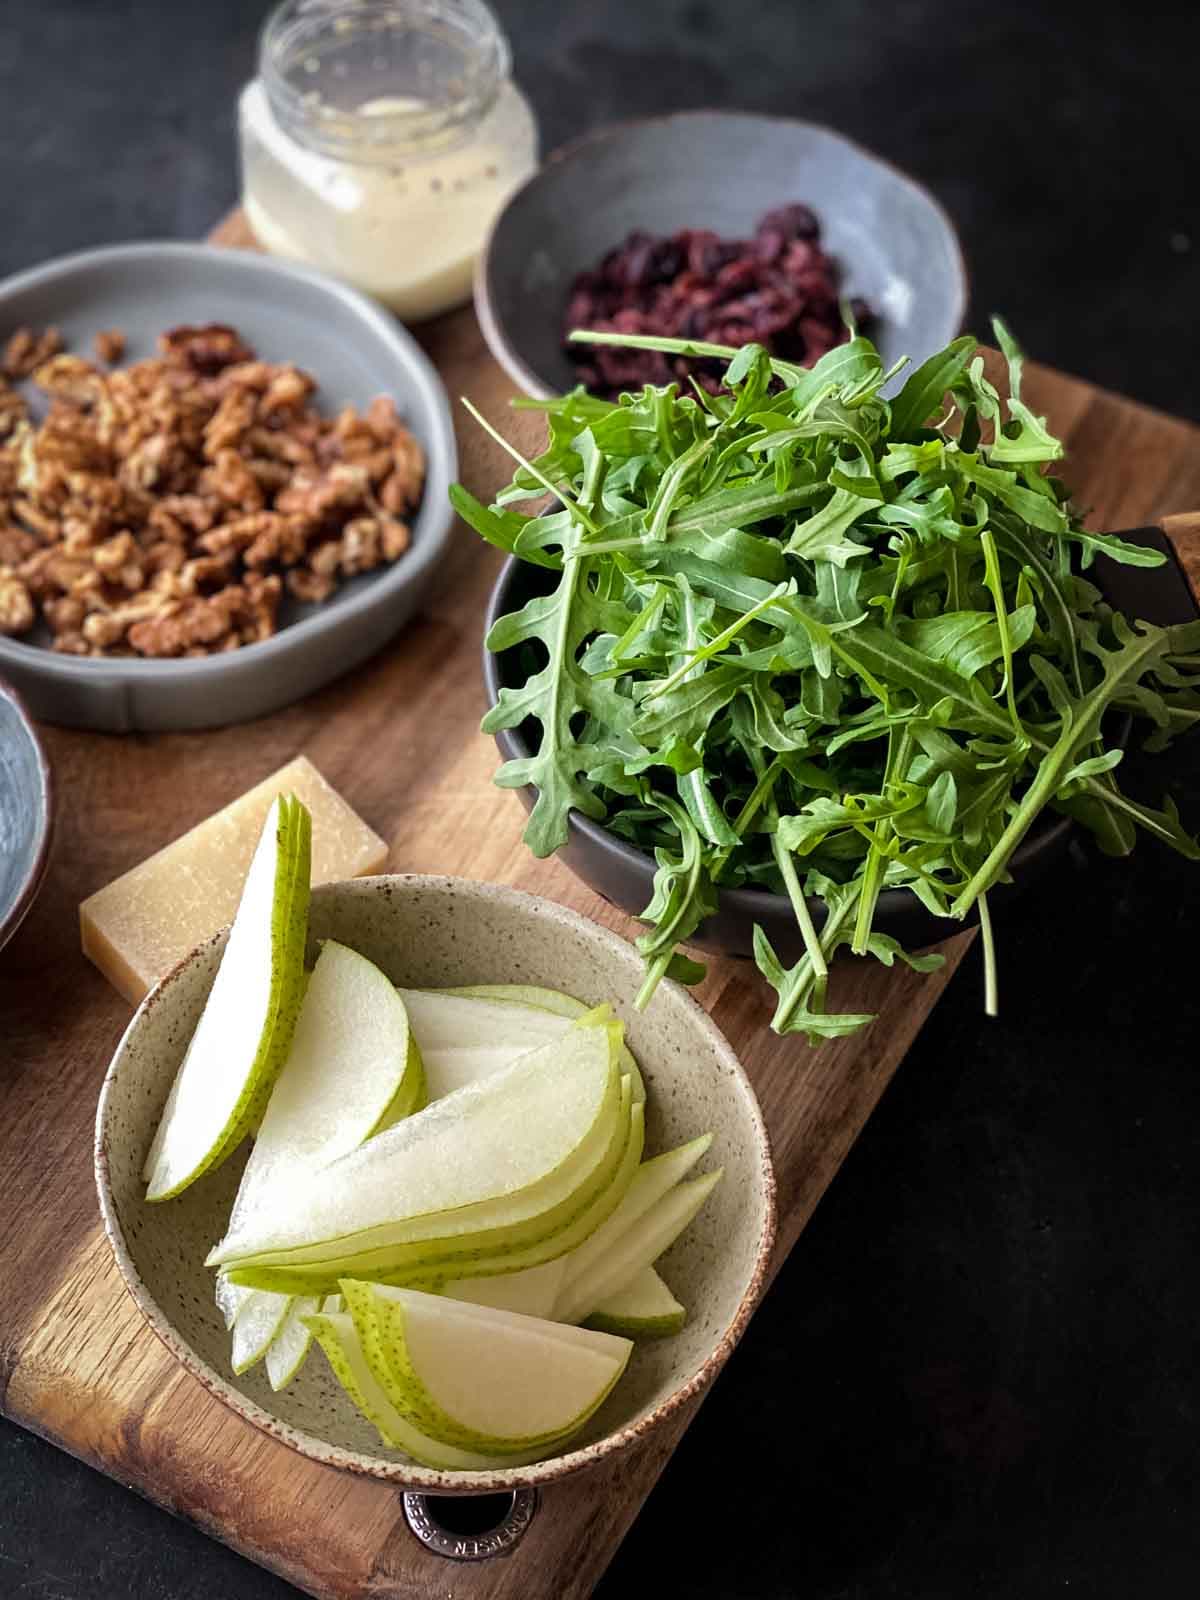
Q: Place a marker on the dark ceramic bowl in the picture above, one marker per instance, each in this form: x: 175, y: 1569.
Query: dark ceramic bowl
x: 26, y: 813
x: 723, y: 170
x: 624, y: 875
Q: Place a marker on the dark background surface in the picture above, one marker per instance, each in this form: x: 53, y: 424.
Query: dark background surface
x: 977, y: 1375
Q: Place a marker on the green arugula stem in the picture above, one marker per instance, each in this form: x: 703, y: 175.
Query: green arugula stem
x: 995, y: 585
x: 643, y: 620
x: 808, y: 984
x: 808, y: 932
x: 1079, y: 727
x: 556, y: 489
x: 679, y: 347
x: 656, y: 971
x: 593, y: 477
x: 754, y: 802
x: 715, y: 646
x: 673, y: 481
x: 991, y: 1002
x: 900, y: 748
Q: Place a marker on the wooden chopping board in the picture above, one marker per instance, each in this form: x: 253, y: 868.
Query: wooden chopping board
x: 399, y: 739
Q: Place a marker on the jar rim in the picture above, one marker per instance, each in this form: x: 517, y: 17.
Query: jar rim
x: 295, y: 30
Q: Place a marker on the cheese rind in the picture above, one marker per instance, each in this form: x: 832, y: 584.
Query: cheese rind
x: 143, y: 923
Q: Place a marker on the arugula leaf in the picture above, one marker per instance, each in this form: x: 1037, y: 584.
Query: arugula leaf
x: 924, y: 390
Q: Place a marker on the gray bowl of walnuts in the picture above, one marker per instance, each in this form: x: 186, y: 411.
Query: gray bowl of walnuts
x: 223, y: 482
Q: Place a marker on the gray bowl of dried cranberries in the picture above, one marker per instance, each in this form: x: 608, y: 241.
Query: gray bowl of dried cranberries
x: 718, y: 226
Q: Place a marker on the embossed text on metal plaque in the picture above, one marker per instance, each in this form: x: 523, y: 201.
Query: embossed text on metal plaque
x: 421, y: 1514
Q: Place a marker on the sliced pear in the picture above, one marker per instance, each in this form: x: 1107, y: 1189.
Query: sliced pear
x: 260, y: 1318
x: 486, y: 1379
x: 352, y: 1065
x: 496, y: 1154
x: 531, y: 1291
x: 638, y: 1247
x: 451, y: 1243
x: 578, y: 1337
x: 245, y: 1029
x: 290, y: 1346
x: 644, y: 1309
x: 412, y: 1095
x: 561, y: 1245
x: 653, y: 1180
x: 231, y: 1297
x: 528, y: 997
x: 336, y: 1335
x: 588, y: 1189
x: 463, y: 1040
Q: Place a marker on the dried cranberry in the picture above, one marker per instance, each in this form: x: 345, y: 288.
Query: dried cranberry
x: 778, y: 287
x: 736, y: 276
x: 794, y: 222
x: 668, y: 261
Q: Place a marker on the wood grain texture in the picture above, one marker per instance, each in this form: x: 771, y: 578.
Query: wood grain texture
x: 399, y: 739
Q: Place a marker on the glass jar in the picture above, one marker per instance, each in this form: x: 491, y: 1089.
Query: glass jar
x: 380, y: 139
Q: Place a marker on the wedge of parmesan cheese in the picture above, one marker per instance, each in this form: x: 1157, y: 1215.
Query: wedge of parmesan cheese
x: 144, y: 922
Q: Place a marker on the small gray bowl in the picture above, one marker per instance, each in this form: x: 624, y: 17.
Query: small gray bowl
x: 439, y: 931
x: 722, y: 170
x: 288, y: 313
x: 26, y: 813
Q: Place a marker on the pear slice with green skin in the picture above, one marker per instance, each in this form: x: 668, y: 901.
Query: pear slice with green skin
x: 653, y: 1180
x: 453, y: 1242
x: 352, y: 1067
x: 531, y: 1291
x: 573, y: 1336
x: 484, y: 1379
x: 335, y: 1332
x: 412, y: 1095
x: 560, y: 1245
x: 369, y: 1305
x: 434, y: 1276
x: 245, y: 1029
x: 640, y: 1246
x: 589, y: 1192
x: 290, y: 1346
x: 464, y: 1040
x: 258, y: 1322
x: 644, y: 1309
x: 497, y: 1155
x: 529, y: 997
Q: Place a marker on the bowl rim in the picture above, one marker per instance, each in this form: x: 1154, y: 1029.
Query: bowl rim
x: 411, y: 1475
x: 27, y: 891
x: 490, y: 323
x: 434, y: 516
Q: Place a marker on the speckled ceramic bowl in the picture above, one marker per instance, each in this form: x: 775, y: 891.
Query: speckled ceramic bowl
x: 432, y: 931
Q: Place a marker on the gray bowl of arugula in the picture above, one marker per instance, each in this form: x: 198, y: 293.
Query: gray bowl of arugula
x: 795, y: 669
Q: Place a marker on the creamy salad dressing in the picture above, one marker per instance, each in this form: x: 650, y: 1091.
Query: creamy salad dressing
x: 407, y: 233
